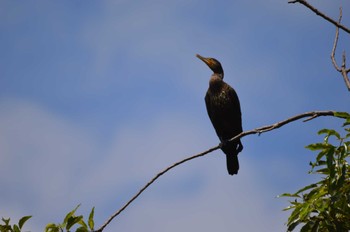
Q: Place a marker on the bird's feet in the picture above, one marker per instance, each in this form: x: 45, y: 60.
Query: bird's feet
x: 223, y: 143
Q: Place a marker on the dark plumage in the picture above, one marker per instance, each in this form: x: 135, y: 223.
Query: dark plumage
x: 224, y: 111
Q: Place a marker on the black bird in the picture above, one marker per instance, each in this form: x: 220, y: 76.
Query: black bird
x: 224, y: 111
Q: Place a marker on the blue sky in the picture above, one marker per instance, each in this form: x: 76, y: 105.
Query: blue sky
x: 96, y: 97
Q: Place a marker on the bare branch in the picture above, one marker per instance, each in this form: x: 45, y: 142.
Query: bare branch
x: 344, y: 63
x: 319, y: 13
x: 343, y: 69
x: 260, y: 130
x: 345, y: 72
x: 336, y: 43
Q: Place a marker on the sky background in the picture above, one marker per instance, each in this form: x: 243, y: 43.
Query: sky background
x: 96, y: 97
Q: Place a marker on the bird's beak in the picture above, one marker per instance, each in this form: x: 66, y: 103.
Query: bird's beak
x: 205, y: 60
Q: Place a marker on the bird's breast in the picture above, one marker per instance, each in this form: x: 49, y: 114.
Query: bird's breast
x: 219, y: 99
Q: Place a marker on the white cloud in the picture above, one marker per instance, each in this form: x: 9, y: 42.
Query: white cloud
x: 43, y: 157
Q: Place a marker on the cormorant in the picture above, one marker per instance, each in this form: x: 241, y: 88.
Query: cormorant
x: 224, y: 111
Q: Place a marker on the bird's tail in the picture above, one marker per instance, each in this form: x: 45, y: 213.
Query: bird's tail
x: 232, y: 163
x: 231, y: 150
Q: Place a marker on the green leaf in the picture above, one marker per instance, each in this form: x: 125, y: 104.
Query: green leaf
x: 91, y: 219
x: 72, y: 221
x: 294, y: 217
x: 317, y: 146
x: 341, y: 114
x: 324, y: 171
x: 321, y: 205
x: 289, y: 207
x: 305, y: 212
x: 5, y: 228
x: 329, y: 133
x: 51, y: 227
x: 23, y: 220
x: 289, y: 195
x: 311, y: 195
x: 70, y: 214
x: 307, y: 227
x: 16, y: 228
x: 292, y: 226
x: 7, y: 221
x: 341, y: 180
x: 330, y: 163
x: 306, y: 188
x: 347, y: 122
x: 320, y: 155
x: 347, y: 148
x: 82, y: 223
x: 320, y: 192
x: 82, y: 229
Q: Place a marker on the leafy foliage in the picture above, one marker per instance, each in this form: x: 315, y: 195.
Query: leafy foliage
x: 6, y: 227
x: 325, y: 205
x: 72, y: 220
x: 69, y: 222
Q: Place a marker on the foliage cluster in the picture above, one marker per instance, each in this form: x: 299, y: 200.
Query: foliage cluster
x: 6, y: 227
x: 325, y: 205
x: 71, y: 222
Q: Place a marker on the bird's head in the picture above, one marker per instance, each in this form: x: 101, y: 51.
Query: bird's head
x: 213, y: 64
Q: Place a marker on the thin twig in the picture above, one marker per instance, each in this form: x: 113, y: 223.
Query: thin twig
x: 319, y: 13
x: 345, y: 72
x: 336, y: 43
x: 260, y: 130
x: 343, y: 66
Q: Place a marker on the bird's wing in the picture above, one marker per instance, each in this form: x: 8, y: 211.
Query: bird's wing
x: 235, y: 109
x: 207, y: 104
x: 234, y: 100
x: 212, y: 116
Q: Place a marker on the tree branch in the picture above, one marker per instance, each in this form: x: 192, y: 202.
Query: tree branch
x: 336, y: 43
x: 317, y: 12
x: 345, y: 71
x: 341, y: 69
x: 260, y: 130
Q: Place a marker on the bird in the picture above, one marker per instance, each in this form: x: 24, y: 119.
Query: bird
x: 224, y: 111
